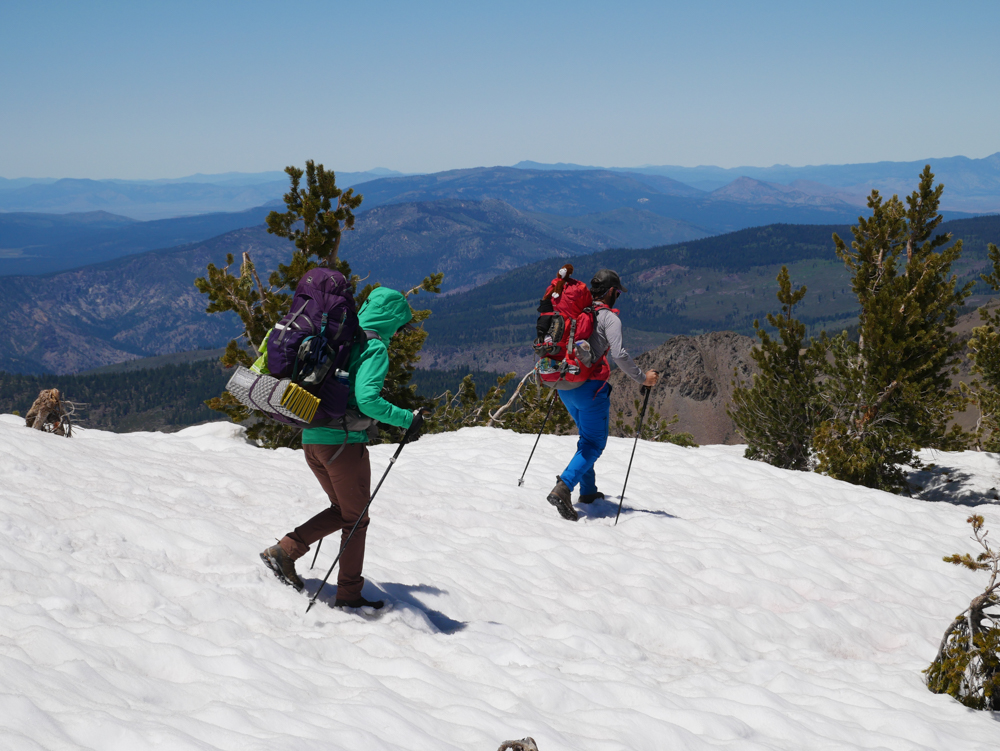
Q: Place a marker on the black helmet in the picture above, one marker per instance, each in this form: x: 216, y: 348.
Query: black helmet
x: 604, y: 280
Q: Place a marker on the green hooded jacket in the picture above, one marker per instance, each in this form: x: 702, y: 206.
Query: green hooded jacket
x: 384, y: 312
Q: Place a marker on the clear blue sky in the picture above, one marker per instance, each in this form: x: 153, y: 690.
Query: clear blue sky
x: 144, y: 90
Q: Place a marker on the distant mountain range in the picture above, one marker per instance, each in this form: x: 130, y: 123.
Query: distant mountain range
x: 448, y: 235
x: 576, y: 192
x: 971, y: 185
x: 708, y: 262
x: 146, y: 304
x: 563, y: 212
x: 222, y: 178
x: 44, y: 243
x: 157, y: 199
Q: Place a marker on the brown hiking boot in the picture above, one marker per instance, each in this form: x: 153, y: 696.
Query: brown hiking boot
x: 276, y: 559
x: 591, y: 497
x: 562, y: 499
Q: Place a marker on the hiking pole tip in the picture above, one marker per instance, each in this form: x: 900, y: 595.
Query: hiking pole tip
x: 548, y: 412
x: 644, y: 390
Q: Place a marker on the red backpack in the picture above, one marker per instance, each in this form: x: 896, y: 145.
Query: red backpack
x: 565, y: 323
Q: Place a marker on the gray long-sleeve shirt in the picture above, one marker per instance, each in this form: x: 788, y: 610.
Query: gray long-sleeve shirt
x: 607, y: 339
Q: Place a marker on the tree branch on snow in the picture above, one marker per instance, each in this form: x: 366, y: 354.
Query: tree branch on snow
x: 967, y: 664
x: 517, y: 392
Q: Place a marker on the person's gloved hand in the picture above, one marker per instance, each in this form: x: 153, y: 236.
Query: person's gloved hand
x: 418, y: 423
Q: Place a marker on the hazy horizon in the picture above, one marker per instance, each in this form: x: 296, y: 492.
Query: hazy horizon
x: 116, y: 90
x: 279, y: 174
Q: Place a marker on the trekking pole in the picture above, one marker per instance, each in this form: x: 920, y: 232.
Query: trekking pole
x: 349, y: 536
x: 638, y: 432
x: 552, y: 401
x: 319, y: 544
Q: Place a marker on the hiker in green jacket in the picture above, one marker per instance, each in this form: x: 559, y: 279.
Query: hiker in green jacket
x: 343, y: 468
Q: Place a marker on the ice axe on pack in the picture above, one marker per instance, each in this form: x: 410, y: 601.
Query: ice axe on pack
x: 638, y: 431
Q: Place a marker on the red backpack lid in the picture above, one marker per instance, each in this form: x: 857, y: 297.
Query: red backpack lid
x: 575, y: 298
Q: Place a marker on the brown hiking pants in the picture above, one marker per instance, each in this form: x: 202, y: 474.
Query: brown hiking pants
x: 347, y: 481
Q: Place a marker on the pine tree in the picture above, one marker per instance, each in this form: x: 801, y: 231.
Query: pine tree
x: 321, y: 231
x: 317, y: 242
x: 984, y: 348
x: 778, y: 413
x: 890, y: 392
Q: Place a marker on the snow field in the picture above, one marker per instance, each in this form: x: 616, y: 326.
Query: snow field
x: 734, y: 606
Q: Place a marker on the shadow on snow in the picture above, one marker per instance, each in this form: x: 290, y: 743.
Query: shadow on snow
x: 395, y: 594
x: 404, y: 593
x: 952, y: 485
x: 607, y: 509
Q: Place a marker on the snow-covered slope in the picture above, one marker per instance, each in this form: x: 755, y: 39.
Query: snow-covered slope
x: 737, y: 606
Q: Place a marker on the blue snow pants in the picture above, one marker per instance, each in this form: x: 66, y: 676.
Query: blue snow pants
x: 590, y: 406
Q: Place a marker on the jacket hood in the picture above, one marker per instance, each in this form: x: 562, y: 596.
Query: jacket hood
x: 384, y: 311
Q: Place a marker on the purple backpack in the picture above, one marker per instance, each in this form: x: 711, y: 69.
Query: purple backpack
x: 314, y: 340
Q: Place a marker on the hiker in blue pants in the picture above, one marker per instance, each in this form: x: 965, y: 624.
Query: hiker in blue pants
x: 589, y: 404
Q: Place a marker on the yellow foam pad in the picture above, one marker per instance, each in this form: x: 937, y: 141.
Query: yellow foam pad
x: 299, y: 402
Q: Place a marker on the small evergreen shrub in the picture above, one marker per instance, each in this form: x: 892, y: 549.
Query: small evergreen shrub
x: 524, y: 411
x: 654, y: 428
x: 967, y: 665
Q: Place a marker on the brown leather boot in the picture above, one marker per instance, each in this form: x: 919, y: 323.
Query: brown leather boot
x: 276, y: 559
x: 562, y: 499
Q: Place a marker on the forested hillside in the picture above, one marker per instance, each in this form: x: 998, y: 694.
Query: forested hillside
x: 713, y: 284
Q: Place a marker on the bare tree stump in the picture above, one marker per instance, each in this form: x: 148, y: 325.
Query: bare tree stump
x: 50, y: 413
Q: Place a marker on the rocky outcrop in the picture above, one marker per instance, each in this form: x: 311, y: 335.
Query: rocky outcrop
x: 696, y: 384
